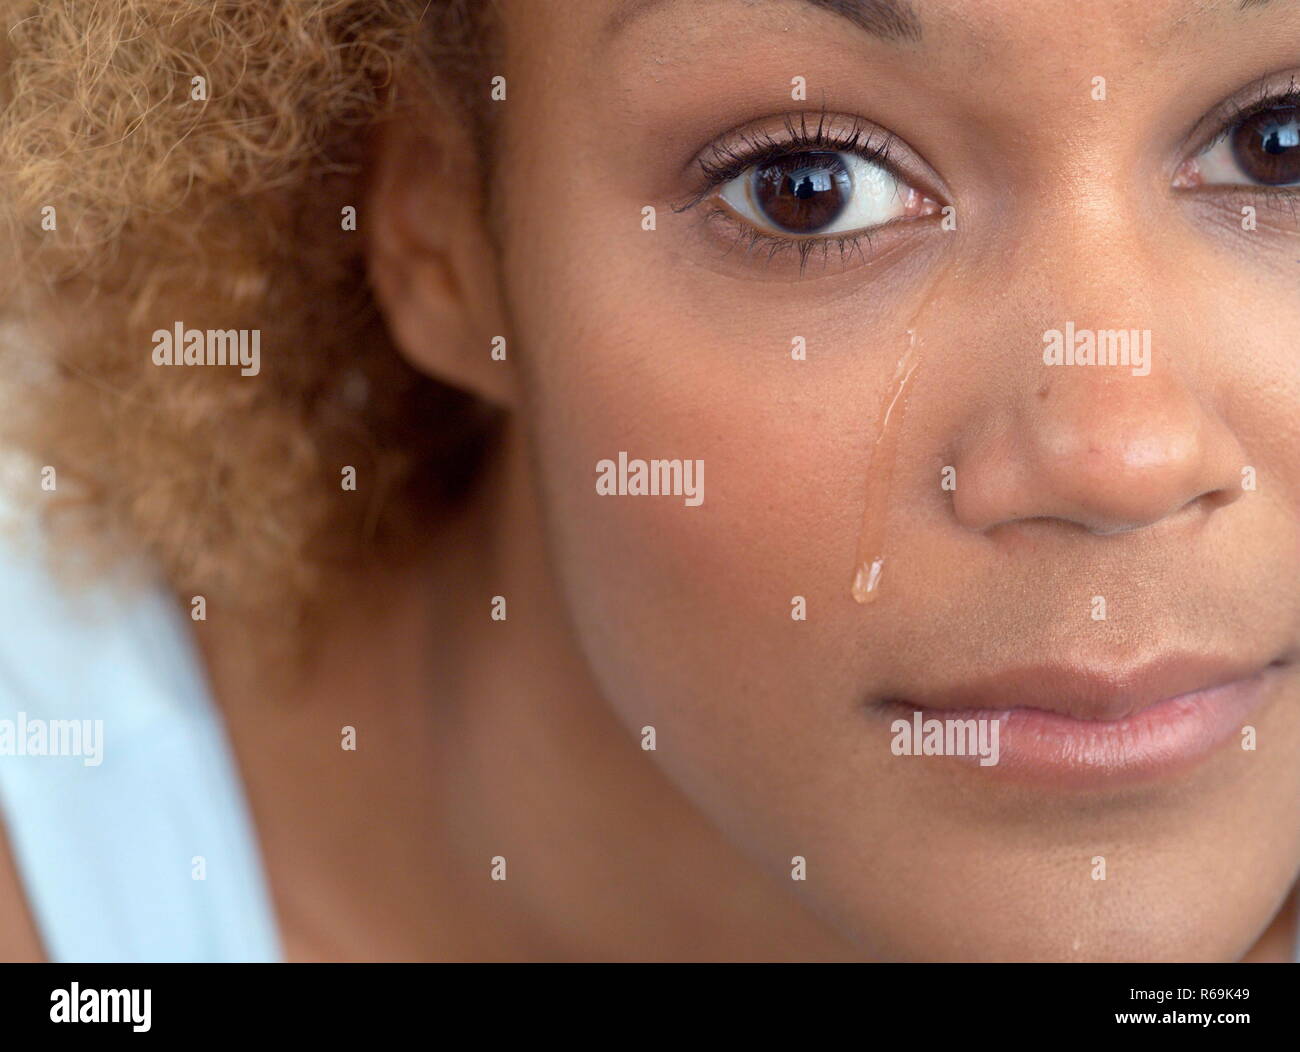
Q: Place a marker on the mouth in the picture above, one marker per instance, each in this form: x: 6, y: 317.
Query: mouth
x: 1077, y: 726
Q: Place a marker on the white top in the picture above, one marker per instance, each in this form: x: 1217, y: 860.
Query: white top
x: 139, y: 848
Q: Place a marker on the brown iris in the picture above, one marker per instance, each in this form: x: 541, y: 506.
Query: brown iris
x: 803, y: 193
x: 1267, y: 146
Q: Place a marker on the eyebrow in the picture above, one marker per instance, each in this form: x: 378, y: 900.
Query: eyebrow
x: 1205, y: 8
x: 895, y: 21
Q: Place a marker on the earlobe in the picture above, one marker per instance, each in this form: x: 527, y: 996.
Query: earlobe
x: 430, y: 259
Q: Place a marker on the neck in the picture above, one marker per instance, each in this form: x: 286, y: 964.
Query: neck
x: 604, y: 857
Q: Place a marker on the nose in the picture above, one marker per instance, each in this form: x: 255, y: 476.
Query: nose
x: 1100, y: 448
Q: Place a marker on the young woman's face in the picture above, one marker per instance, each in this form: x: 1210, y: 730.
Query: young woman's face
x: 1072, y: 542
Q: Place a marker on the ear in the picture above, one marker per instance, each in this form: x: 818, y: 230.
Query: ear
x: 430, y: 258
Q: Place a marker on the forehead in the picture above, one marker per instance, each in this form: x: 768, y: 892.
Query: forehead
x: 997, y: 62
x: 595, y: 25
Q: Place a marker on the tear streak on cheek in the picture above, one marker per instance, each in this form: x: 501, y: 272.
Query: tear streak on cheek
x: 870, y: 562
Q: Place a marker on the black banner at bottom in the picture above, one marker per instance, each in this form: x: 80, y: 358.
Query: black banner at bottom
x: 614, y: 1002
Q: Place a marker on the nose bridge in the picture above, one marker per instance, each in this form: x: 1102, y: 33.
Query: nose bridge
x: 1098, y: 425
x: 1108, y: 401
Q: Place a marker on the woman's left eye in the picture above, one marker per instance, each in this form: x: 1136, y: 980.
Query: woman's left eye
x: 1260, y: 150
x: 819, y: 193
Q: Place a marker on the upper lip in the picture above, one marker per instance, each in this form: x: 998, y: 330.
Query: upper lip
x: 1089, y: 692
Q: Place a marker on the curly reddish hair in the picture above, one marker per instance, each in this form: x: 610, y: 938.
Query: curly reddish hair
x: 221, y: 212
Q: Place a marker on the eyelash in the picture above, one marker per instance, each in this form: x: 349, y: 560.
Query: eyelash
x: 723, y: 162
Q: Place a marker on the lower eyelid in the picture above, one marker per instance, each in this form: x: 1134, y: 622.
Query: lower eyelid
x: 1218, y: 174
x: 754, y: 251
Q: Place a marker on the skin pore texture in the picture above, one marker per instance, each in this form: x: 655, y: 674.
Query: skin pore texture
x: 522, y: 738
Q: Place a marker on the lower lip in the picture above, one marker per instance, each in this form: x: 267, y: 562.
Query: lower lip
x: 1167, y: 738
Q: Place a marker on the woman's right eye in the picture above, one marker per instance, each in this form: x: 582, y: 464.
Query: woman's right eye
x: 1262, y: 149
x: 821, y: 193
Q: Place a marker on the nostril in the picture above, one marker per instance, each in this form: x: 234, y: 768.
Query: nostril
x: 1218, y: 498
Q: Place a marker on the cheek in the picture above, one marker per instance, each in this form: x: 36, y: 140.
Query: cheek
x: 684, y: 613
x: 675, y: 601
x: 775, y: 518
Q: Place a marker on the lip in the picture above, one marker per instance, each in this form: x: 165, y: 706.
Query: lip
x: 1076, y: 726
